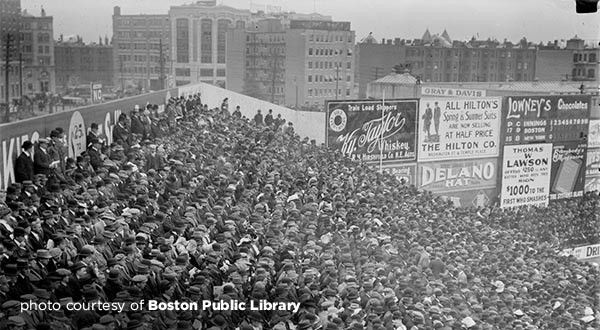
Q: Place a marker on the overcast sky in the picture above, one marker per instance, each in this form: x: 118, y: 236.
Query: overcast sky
x: 538, y: 20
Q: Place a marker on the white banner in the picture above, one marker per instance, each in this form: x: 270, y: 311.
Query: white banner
x: 458, y: 128
x: 526, y: 175
x: 583, y: 252
x: 451, y: 92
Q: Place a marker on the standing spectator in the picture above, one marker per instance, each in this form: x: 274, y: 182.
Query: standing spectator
x: 258, y: 118
x: 121, y: 132
x: 147, y: 123
x: 153, y: 159
x: 269, y: 118
x: 137, y: 126
x: 42, y: 163
x: 94, y: 133
x: 279, y: 122
x: 237, y: 113
x: 57, y: 151
x: 95, y: 154
x: 24, y: 163
x: 289, y: 130
x: 225, y: 105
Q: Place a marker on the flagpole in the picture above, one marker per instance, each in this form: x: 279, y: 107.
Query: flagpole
x: 382, y: 129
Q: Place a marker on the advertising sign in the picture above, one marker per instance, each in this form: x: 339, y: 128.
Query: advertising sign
x: 548, y: 118
x: 594, y: 133
x: 469, y: 198
x: 583, y: 252
x: 355, y: 128
x: 568, y: 170
x: 403, y: 172
x: 592, y: 170
x: 592, y: 184
x: 96, y: 92
x: 451, y: 92
x: 471, y: 174
x: 458, y: 128
x: 526, y: 175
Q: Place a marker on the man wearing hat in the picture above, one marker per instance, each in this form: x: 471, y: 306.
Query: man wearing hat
x: 42, y: 163
x: 137, y: 127
x: 96, y: 156
x: 24, y: 163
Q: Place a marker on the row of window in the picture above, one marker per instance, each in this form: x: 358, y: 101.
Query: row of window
x: 141, y: 34
x: 579, y: 57
x: 328, y: 52
x: 143, y: 69
x: 142, y: 21
x: 318, y: 92
x: 186, y: 72
x: 328, y: 78
x: 328, y: 65
x: 580, y: 73
x: 330, y: 38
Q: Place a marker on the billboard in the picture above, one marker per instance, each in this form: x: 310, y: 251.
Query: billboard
x: 75, y: 123
x: 594, y: 133
x: 451, y: 92
x: 469, y: 174
x: 469, y: 198
x: 568, y: 170
x: 406, y: 172
x: 583, y: 252
x: 356, y: 129
x: 548, y: 118
x: 459, y: 128
x: 526, y: 175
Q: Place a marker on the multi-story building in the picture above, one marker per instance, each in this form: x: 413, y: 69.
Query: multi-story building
x: 141, y: 46
x: 10, y: 25
x: 319, y: 62
x: 79, y: 64
x: 199, y: 34
x: 437, y: 58
x: 298, y: 63
x: 585, y: 63
x: 37, y: 47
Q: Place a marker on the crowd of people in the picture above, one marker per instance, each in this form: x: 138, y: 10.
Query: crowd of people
x: 199, y: 203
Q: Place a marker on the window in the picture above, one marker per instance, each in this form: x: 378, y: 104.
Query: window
x: 347, y: 91
x: 585, y: 57
x: 206, y: 41
x: 310, y: 92
x: 182, y: 72
x: 348, y: 78
x: 40, y: 49
x: 309, y: 78
x: 222, y: 27
x: 592, y: 57
x: 310, y: 64
x: 310, y: 51
x: 221, y: 72
x: 591, y: 73
x: 519, y: 66
x: 349, y: 65
x: 206, y: 72
x: 574, y: 57
x: 525, y: 65
x: 349, y: 52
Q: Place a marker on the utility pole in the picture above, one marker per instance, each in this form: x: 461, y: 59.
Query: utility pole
x: 6, y: 79
x: 337, y: 79
x: 274, y: 72
x: 296, y: 84
x: 162, y: 66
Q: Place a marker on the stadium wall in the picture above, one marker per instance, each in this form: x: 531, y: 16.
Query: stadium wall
x: 304, y: 122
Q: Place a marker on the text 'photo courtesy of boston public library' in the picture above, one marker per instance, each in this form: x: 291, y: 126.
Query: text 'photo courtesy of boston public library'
x: 299, y: 165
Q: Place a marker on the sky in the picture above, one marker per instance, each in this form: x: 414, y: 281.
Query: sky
x: 537, y: 20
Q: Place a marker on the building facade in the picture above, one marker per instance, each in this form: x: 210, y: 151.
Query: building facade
x: 37, y: 47
x: 10, y: 25
x: 199, y: 47
x: 319, y: 63
x: 586, y: 64
x: 141, y: 45
x: 81, y: 64
x: 437, y: 58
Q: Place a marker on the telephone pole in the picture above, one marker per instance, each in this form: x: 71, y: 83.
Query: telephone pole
x: 6, y: 79
x: 274, y: 60
x: 337, y: 79
x: 162, y: 66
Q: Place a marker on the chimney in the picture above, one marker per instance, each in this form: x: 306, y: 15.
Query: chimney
x: 383, y: 41
x: 117, y: 11
x: 389, y: 41
x: 397, y: 41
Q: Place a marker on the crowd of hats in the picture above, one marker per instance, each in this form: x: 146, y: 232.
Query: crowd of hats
x: 236, y: 210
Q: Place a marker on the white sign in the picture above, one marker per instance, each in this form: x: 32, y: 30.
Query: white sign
x: 458, y: 128
x: 594, y: 133
x: 583, y: 252
x: 526, y: 175
x: 451, y: 92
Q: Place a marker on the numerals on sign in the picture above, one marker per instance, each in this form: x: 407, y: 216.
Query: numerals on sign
x: 518, y: 190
